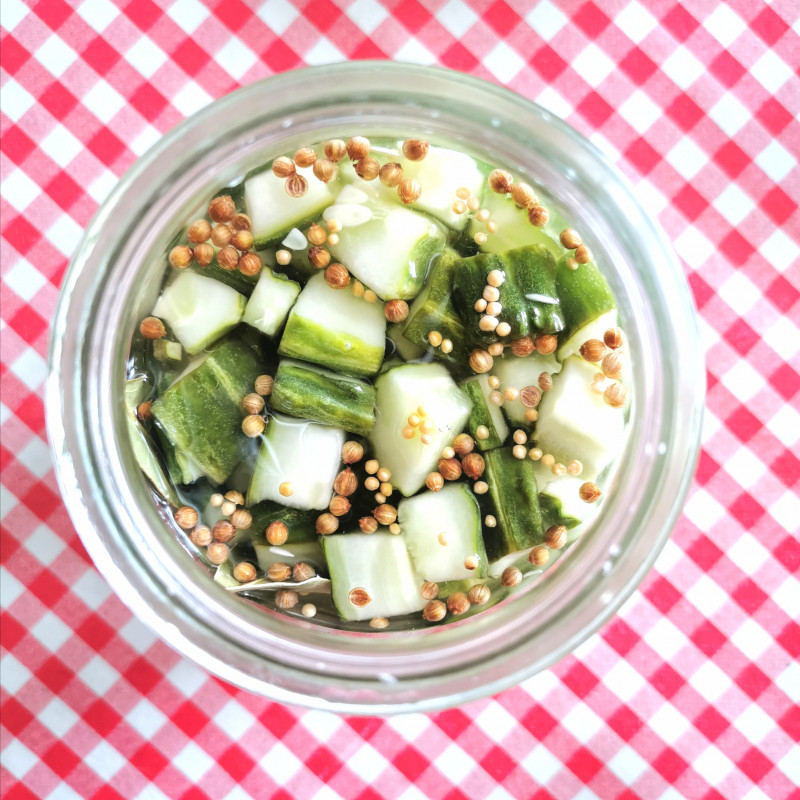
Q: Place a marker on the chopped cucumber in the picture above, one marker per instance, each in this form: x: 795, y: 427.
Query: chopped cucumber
x: 518, y: 373
x: 441, y: 530
x: 513, y: 227
x: 379, y: 566
x: 201, y: 413
x: 199, y: 310
x: 408, y: 351
x: 528, y: 293
x: 433, y: 310
x: 401, y: 392
x: 273, y: 212
x: 311, y: 392
x: 391, y: 252
x: 271, y: 301
x: 591, y: 330
x: 302, y: 544
x: 307, y: 552
x: 336, y: 329
x: 484, y: 413
x: 515, y: 499
x: 561, y: 503
x: 302, y: 457
x: 167, y: 352
x: 584, y: 294
x: 575, y: 423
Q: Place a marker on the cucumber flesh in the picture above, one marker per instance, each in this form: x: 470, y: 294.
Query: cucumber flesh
x: 514, y: 496
x: 306, y: 455
x: 391, y: 253
x: 575, y: 423
x: 273, y: 212
x: 441, y: 529
x: 400, y: 392
x: 561, y: 503
x: 584, y: 294
x: 308, y: 391
x: 591, y: 330
x: 271, y: 301
x: 336, y: 329
x: 201, y: 413
x: 484, y: 413
x: 377, y: 563
x: 199, y: 310
x: 408, y: 351
x: 307, y: 552
x: 518, y: 373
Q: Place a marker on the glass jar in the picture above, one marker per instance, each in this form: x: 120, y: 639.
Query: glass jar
x: 113, y: 281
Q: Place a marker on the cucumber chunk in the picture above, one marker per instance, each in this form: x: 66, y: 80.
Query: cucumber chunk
x: 433, y: 310
x: 305, y: 455
x: 201, y: 413
x: 302, y: 544
x: 400, y: 392
x: 518, y: 373
x: 515, y: 499
x: 273, y: 212
x: 307, y: 552
x: 408, y: 351
x: 304, y: 390
x: 584, y: 294
x: 378, y: 564
x: 271, y: 301
x: 442, y: 529
x: 484, y: 413
x: 575, y: 423
x: 528, y: 293
x: 168, y: 353
x: 591, y: 330
x: 334, y: 328
x: 391, y: 252
x: 199, y: 310
x: 561, y: 503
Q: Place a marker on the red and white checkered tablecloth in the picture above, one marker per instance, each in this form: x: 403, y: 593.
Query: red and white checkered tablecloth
x: 692, y: 690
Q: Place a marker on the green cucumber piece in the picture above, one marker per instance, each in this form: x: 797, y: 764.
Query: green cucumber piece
x: 199, y: 310
x: 306, y: 455
x: 167, y: 352
x: 301, y: 545
x: 391, y: 252
x: 561, y: 503
x: 584, y: 294
x: 308, y: 391
x: 400, y: 392
x: 271, y: 301
x: 441, y: 530
x: 407, y: 351
x: 576, y: 424
x: 201, y: 413
x: 518, y: 373
x: 273, y: 212
x: 527, y: 295
x: 484, y: 413
x: 334, y: 328
x: 244, y: 284
x: 433, y: 310
x: 515, y: 498
x: 290, y: 553
x: 377, y: 563
x: 591, y: 330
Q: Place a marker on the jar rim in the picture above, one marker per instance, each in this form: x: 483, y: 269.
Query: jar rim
x: 78, y: 407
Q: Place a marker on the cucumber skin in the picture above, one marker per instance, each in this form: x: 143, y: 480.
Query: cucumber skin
x: 341, y: 403
x: 438, y: 313
x: 528, y: 270
x: 308, y: 341
x: 552, y: 511
x: 244, y: 284
x: 515, y: 497
x: 584, y: 294
x: 201, y: 415
x: 301, y: 524
x: 480, y: 416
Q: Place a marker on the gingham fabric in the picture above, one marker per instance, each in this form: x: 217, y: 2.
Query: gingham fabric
x: 692, y: 690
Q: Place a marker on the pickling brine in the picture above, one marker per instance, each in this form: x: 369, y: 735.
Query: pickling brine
x: 383, y: 384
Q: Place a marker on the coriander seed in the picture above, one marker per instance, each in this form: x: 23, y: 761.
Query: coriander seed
x: 277, y: 533
x: 458, y: 603
x: 319, y: 257
x: 152, y: 328
x: 359, y: 597
x: 279, y: 571
x: 296, y: 185
x: 368, y: 524
x: 612, y: 365
x: 415, y: 149
x: 302, y: 572
x: 430, y: 590
x: 199, y: 231
x: 305, y: 157
x: 217, y: 553
x: 242, y: 240
x: 180, y: 257
x: 325, y: 170
x: 263, y: 385
x: 379, y: 623
x: 511, y: 576
x: 545, y: 343
x: 345, y: 483
x: 228, y: 258
x: 337, y: 276
x: 396, y: 311
x: 253, y: 425
x: 434, y: 481
x: 286, y: 599
x: 250, y: 264
x: 358, y: 147
x: 186, y: 517
x: 409, y: 190
x: 244, y: 572
x: 463, y: 444
x: 326, y: 524
x: 592, y: 350
x: 545, y: 382
x: 385, y: 514
x: 450, y: 468
x: 496, y: 349
x: 241, y: 222
x: 539, y: 556
x: 471, y: 562
x: 235, y: 497
x: 352, y: 452
x: 367, y: 169
x: 473, y: 465
x: 283, y: 167
x: 434, y: 611
x: 615, y: 395
x: 203, y: 254
x: 339, y: 505
x: 570, y: 238
x: 538, y: 215
x: 523, y: 195
x: 583, y: 255
x: 479, y: 594
x: 201, y: 536
x: 253, y: 403
x: 223, y: 530
x: 391, y: 174
x: 480, y: 361
x: 613, y: 338
x: 143, y: 412
x: 222, y: 208
x: 589, y: 492
x: 241, y: 519
x: 335, y: 150
x: 556, y: 537
x: 500, y: 181
x: 221, y: 235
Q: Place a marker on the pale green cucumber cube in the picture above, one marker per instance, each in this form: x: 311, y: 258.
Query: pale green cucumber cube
x: 271, y: 301
x: 518, y: 373
x: 592, y: 330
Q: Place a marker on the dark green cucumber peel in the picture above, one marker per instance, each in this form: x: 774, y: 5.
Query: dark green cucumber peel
x: 244, y: 284
x: 584, y: 294
x: 515, y: 500
x: 528, y: 294
x: 480, y: 416
x: 437, y: 312
x: 307, y: 393
x: 553, y: 513
x: 301, y: 524
x: 201, y: 414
